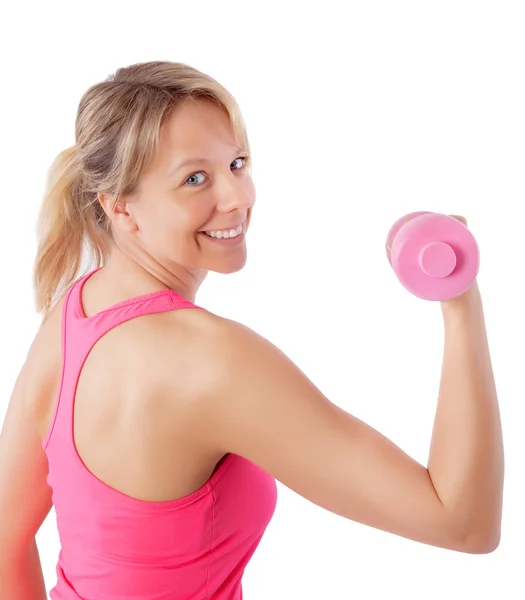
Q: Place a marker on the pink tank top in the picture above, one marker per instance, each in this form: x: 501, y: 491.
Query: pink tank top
x: 115, y: 547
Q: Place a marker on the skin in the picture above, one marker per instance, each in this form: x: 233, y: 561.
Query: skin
x: 156, y: 230
x: 265, y: 410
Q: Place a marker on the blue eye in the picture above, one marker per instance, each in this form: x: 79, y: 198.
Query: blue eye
x: 243, y: 158
x: 191, y: 176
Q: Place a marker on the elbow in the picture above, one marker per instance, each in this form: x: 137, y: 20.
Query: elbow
x: 484, y: 543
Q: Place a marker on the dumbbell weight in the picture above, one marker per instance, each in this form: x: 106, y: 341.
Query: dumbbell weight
x: 434, y: 256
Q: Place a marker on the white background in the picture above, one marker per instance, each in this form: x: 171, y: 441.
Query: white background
x: 357, y: 112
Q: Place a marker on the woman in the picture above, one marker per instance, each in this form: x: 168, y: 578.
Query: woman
x: 158, y: 429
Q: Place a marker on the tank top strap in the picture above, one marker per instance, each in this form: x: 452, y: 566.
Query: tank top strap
x: 80, y: 333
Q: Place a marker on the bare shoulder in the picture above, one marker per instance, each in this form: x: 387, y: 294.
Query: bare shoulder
x: 183, y: 348
x: 41, y: 370
x: 267, y: 410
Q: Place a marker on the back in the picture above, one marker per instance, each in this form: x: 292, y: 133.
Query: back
x: 145, y: 507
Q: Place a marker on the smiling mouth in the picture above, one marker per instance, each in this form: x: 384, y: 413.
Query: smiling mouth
x: 226, y: 233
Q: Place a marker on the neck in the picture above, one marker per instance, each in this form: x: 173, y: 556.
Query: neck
x: 137, y: 270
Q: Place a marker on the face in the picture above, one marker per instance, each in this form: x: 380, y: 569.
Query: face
x: 198, y: 182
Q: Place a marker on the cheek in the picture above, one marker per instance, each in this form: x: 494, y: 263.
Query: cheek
x: 160, y: 226
x: 181, y: 223
x: 250, y: 190
x: 195, y: 215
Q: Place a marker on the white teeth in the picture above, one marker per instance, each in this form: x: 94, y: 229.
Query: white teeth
x: 226, y: 234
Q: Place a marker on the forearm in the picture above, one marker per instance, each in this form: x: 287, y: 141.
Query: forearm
x: 21, y: 578
x: 466, y: 461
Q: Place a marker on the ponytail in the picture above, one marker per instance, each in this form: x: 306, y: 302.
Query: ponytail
x: 62, y: 226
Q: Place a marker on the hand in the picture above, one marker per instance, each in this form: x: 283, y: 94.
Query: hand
x: 471, y: 294
x: 460, y: 219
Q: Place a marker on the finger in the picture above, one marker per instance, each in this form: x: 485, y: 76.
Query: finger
x: 459, y: 218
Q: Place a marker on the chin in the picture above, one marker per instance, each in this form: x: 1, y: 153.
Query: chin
x: 227, y: 268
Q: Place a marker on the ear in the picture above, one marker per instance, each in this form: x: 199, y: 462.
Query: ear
x: 117, y: 211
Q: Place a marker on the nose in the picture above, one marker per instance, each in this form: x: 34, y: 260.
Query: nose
x: 235, y: 193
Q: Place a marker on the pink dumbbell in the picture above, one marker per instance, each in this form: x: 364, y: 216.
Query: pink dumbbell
x: 434, y: 256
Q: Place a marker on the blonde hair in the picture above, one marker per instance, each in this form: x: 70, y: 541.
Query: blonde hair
x: 117, y: 131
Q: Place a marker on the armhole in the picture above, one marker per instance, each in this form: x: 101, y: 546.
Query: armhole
x: 47, y: 439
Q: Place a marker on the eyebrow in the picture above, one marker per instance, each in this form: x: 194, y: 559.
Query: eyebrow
x: 195, y: 161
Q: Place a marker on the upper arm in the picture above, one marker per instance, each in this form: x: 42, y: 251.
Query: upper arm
x: 269, y: 412
x: 25, y: 496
